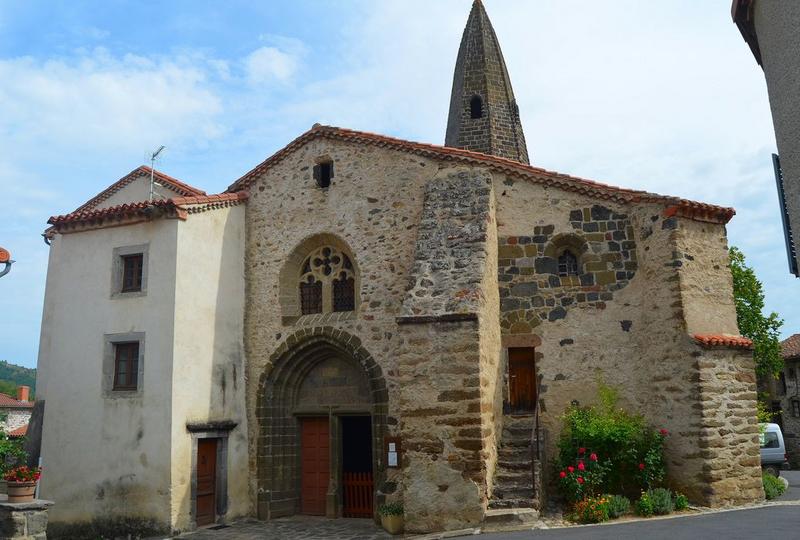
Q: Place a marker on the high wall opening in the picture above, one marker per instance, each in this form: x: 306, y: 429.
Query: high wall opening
x: 322, y: 418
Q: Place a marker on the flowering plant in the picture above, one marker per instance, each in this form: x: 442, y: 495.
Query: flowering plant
x: 592, y: 510
x: 625, y: 453
x: 584, y: 479
x: 24, y: 474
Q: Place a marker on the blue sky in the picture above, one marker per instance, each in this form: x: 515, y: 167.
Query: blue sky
x: 663, y: 96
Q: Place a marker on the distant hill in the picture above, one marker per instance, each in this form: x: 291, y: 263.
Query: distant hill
x: 12, y: 375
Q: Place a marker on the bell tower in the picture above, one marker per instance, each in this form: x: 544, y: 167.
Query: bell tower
x: 484, y: 116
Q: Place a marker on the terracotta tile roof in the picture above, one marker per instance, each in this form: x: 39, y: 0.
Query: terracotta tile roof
x: 7, y: 401
x: 790, y: 347
x: 178, y: 207
x: 723, y: 340
x: 19, y: 432
x: 675, y: 205
x: 173, y: 183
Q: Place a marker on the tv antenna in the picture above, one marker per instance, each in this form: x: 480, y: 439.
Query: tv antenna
x: 153, y: 157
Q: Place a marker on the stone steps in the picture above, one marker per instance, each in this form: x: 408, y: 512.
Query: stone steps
x: 499, y: 518
x: 513, y: 500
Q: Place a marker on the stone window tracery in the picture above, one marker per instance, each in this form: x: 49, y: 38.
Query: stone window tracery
x: 327, y: 282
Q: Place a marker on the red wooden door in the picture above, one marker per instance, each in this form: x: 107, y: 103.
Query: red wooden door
x: 522, y: 379
x: 315, y: 467
x: 206, y: 481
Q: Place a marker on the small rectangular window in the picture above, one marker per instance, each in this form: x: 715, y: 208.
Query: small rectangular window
x: 796, y: 408
x: 132, y: 267
x: 126, y: 366
x: 323, y: 173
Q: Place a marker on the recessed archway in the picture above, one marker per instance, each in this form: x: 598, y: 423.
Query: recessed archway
x: 316, y: 374
x: 293, y: 272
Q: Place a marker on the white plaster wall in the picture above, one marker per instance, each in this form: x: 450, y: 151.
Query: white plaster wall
x: 106, y: 457
x: 209, y: 371
x: 137, y: 191
x: 777, y: 24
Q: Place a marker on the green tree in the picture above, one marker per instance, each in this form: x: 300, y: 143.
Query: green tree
x: 748, y: 293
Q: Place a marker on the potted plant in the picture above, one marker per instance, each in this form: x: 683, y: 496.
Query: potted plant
x: 22, y: 483
x: 11, y: 455
x: 392, y: 517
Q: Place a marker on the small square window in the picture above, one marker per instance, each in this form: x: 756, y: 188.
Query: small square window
x: 129, y: 271
x: 132, y: 268
x: 323, y: 173
x: 126, y: 366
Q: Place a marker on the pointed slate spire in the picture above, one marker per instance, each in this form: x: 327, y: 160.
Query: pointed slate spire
x: 484, y: 116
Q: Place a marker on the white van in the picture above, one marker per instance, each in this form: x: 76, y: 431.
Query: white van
x: 773, y: 450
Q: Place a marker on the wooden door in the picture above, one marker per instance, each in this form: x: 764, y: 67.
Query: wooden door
x: 522, y: 379
x: 206, y: 481
x: 315, y: 466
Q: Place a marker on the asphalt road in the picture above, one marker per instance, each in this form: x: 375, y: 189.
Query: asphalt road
x: 773, y: 523
x: 793, y: 493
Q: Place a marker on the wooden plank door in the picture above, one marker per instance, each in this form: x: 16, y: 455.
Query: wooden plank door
x: 315, y: 465
x: 206, y: 481
x: 522, y: 379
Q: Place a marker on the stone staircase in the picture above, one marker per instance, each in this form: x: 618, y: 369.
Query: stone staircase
x: 514, y: 498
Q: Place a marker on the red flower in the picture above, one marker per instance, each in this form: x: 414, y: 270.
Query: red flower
x: 641, y: 466
x: 571, y: 468
x: 580, y: 479
x: 593, y: 456
x: 663, y: 432
x: 581, y: 466
x: 581, y: 450
x: 562, y: 474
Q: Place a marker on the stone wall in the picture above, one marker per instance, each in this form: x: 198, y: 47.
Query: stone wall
x: 449, y: 356
x: 531, y: 289
x: 16, y: 418
x: 432, y: 360
x: 728, y: 445
x: 789, y: 421
x: 649, y: 288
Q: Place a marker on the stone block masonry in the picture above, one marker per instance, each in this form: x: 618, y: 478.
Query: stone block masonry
x: 448, y: 356
x: 24, y: 521
x: 531, y: 289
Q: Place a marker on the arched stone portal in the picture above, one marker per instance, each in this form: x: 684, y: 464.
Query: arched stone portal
x: 317, y: 374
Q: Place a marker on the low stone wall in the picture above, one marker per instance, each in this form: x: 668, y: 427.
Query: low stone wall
x: 24, y: 521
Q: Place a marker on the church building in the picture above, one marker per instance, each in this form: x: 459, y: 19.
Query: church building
x: 362, y: 319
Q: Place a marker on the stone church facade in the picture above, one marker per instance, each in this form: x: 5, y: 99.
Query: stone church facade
x: 374, y: 319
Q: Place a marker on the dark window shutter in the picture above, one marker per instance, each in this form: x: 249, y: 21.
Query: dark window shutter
x: 791, y: 249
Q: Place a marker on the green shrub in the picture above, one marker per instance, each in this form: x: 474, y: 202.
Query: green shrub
x: 591, y: 510
x: 618, y: 505
x: 620, y: 453
x: 773, y: 486
x: 662, y: 501
x: 391, y: 509
x: 644, y: 506
x: 681, y: 502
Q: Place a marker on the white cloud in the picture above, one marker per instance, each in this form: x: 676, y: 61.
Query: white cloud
x: 99, y: 101
x: 268, y: 64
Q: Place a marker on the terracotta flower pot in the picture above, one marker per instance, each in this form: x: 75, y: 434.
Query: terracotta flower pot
x: 21, y: 491
x: 392, y: 524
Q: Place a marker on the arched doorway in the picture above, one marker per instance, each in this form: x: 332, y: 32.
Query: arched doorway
x: 324, y: 396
